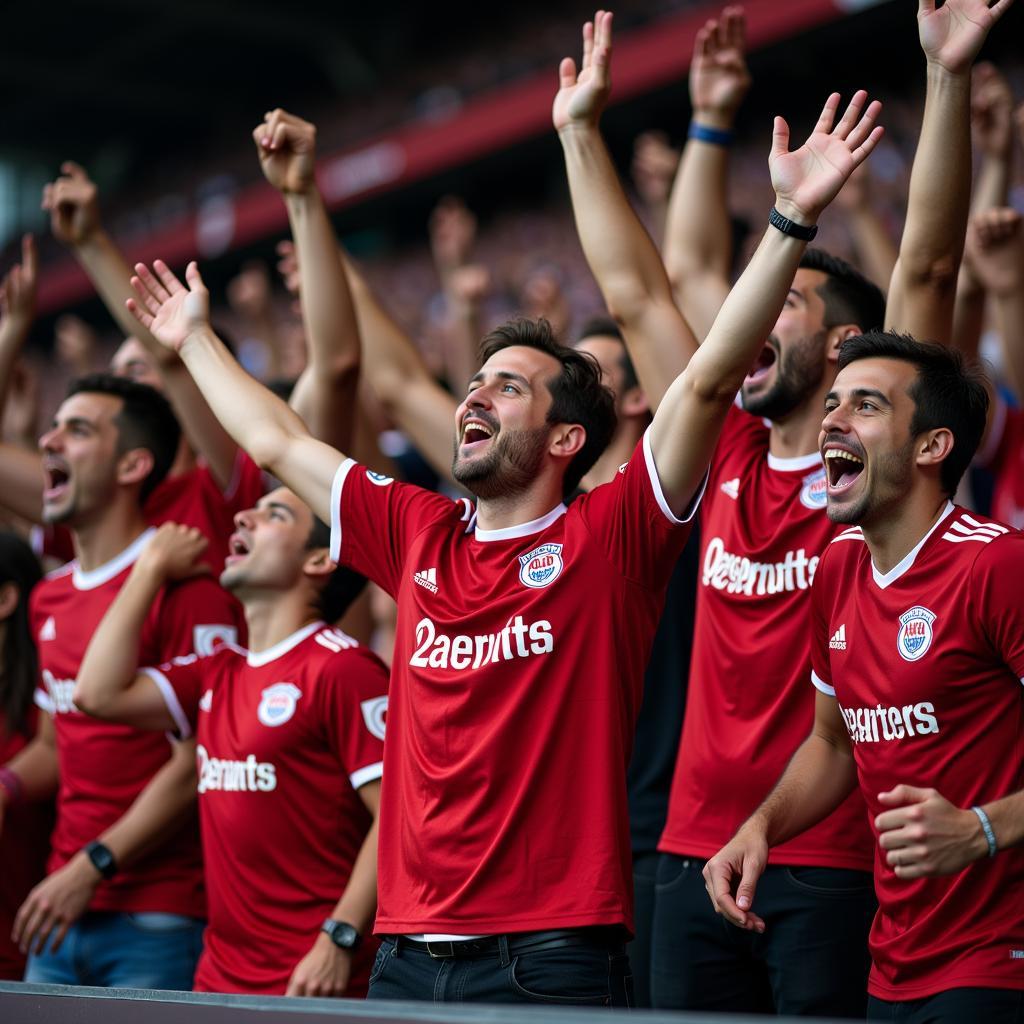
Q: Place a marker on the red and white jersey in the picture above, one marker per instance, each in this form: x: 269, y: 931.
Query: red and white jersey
x: 285, y: 739
x: 516, y: 681
x: 763, y: 527
x: 103, y: 766
x: 192, y: 498
x: 1004, y: 456
x: 926, y: 662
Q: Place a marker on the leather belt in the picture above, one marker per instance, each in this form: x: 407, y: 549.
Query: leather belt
x: 517, y: 943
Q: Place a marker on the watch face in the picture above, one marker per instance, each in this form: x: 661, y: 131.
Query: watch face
x: 342, y: 935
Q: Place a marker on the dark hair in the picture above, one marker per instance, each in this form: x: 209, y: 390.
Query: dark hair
x: 948, y: 392
x: 343, y: 586
x: 18, y: 565
x: 603, y: 326
x: 850, y: 298
x: 577, y: 394
x: 145, y: 421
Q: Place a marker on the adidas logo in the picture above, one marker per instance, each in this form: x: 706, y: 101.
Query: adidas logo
x: 49, y: 630
x: 427, y: 578
x: 732, y: 488
x: 838, y: 641
x: 206, y: 701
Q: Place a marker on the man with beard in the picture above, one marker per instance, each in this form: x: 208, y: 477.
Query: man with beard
x: 918, y: 659
x: 763, y: 527
x: 523, y: 627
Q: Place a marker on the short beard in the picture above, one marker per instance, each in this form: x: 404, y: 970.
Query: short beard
x: 893, y: 476
x: 508, y: 468
x: 798, y: 376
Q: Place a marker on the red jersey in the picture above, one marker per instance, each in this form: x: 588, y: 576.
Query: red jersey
x: 103, y: 766
x: 1004, y: 456
x: 192, y: 498
x: 516, y: 680
x: 926, y: 663
x: 24, y: 846
x: 285, y: 738
x: 763, y: 527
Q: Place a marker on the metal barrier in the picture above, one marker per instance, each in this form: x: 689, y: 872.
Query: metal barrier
x: 22, y: 1003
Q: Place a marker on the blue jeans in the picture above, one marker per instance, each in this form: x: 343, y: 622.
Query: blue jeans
x: 582, y: 975
x: 120, y: 950
x: 811, y: 960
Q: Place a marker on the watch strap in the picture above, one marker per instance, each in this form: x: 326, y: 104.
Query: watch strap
x: 102, y: 859
x: 341, y: 933
x: 790, y: 227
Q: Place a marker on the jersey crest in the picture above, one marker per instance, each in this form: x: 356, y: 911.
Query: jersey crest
x: 541, y: 566
x: 375, y: 713
x: 278, y: 703
x: 814, y: 493
x: 379, y: 478
x: 915, y: 633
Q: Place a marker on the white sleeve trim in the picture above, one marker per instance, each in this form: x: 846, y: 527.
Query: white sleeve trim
x: 820, y: 684
x: 994, y: 436
x: 336, y: 486
x: 370, y: 773
x: 44, y: 701
x: 659, y: 494
x: 163, y: 684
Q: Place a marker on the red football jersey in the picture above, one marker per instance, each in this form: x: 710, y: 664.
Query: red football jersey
x: 285, y: 738
x: 1004, y: 456
x: 516, y: 680
x: 191, y: 499
x: 926, y: 663
x: 104, y: 767
x: 24, y: 845
x: 763, y: 527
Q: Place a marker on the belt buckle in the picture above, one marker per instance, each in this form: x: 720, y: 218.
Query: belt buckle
x: 441, y: 950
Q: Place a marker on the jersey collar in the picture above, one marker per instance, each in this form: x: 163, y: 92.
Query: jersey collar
x: 885, y: 579
x: 795, y: 463
x: 523, y: 529
x: 255, y: 659
x: 104, y: 573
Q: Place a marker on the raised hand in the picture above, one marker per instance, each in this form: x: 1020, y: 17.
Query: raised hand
x: 995, y: 248
x: 287, y: 149
x: 719, y: 78
x: 18, y: 289
x: 173, y: 553
x: 951, y: 35
x: 991, y: 111
x: 452, y: 233
x: 808, y: 179
x: 73, y: 206
x: 168, y: 310
x: 654, y: 167
x: 581, y: 97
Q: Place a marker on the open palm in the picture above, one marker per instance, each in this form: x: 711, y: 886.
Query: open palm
x: 951, y: 36
x: 168, y: 310
x: 581, y: 97
x: 719, y: 78
x: 809, y: 178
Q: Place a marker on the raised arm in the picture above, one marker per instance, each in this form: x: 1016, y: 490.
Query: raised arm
x: 258, y: 421
x: 324, y: 395
x: 698, y: 237
x: 620, y: 253
x: 108, y: 685
x: 688, y: 421
x: 923, y: 287
x: 72, y: 202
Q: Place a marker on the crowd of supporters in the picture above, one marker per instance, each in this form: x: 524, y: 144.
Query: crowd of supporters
x: 703, y: 692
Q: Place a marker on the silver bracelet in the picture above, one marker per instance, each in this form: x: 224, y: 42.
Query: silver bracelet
x: 986, y: 827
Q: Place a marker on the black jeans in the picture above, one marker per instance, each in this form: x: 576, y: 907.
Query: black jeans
x: 811, y: 960
x: 645, y: 873
x: 981, y: 1005
x: 593, y: 974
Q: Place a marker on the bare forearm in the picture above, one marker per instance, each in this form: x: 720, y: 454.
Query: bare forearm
x: 13, y: 335
x: 21, y: 482
x: 1008, y: 314
x: 874, y: 246
x: 1007, y: 818
x: 108, y: 270
x: 36, y: 766
x: 112, y: 658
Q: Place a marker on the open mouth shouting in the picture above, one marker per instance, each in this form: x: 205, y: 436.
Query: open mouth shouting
x: 767, y: 358
x: 843, y: 467
x: 57, y: 480
x: 238, y: 548
x: 476, y: 432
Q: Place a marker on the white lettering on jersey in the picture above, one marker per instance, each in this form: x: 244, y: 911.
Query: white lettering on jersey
x: 737, y: 574
x: 60, y: 691
x: 427, y: 579
x: 838, y: 641
x: 517, y: 640
x: 882, y: 724
x: 248, y: 776
x: 206, y: 639
x: 374, y: 714
x: 278, y: 703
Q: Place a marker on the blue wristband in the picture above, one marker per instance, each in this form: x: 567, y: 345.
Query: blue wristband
x: 986, y: 827
x: 715, y: 136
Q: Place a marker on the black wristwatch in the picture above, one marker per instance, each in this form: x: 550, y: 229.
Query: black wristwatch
x: 342, y: 934
x: 102, y: 859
